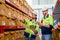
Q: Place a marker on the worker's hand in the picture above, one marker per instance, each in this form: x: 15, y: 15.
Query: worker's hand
x: 36, y: 32
x: 40, y: 24
x: 45, y: 25
x: 53, y: 29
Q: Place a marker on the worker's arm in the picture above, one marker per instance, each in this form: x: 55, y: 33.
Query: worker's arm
x: 50, y: 25
x: 44, y: 25
x: 26, y: 21
x: 51, y: 21
x: 37, y: 28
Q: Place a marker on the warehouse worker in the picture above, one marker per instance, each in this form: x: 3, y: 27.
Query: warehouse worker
x: 29, y: 33
x: 46, y: 25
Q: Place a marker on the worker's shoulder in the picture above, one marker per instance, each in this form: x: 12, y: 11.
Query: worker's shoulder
x: 50, y: 16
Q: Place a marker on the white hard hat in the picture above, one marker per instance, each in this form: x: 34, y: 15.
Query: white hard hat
x: 44, y: 8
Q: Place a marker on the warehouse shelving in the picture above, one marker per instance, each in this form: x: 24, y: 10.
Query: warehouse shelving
x: 12, y: 14
x: 56, y: 33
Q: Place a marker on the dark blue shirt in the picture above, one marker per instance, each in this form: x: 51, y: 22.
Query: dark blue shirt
x: 46, y: 30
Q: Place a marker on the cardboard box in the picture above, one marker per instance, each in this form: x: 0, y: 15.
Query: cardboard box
x: 2, y: 1
x: 30, y: 13
x: 15, y: 1
x: 2, y: 36
x: 17, y: 23
x: 12, y: 24
x: 21, y: 2
x: 1, y: 27
x: 6, y: 36
x: 3, y: 21
x: 3, y: 9
x: 19, y: 16
x: 26, y: 4
x: 9, y: 13
x: 20, y: 35
x: 12, y: 35
x: 14, y: 14
x: 16, y: 34
x: 18, y: 3
x: 37, y: 38
x: 0, y: 21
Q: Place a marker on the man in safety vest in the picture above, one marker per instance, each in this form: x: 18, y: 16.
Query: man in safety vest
x: 46, y: 25
x: 31, y: 29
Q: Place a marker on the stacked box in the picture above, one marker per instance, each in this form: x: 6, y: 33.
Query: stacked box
x: 12, y: 35
x: 2, y: 36
x: 6, y: 36
x: 20, y: 35
x: 3, y: 9
x: 11, y: 18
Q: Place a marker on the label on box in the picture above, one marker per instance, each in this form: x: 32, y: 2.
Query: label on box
x: 7, y: 38
x: 2, y: 10
x: 3, y: 23
x: 9, y: 13
x: 15, y: 1
x: 13, y: 38
x: 18, y: 37
x: 18, y: 16
x: 14, y: 15
x: 0, y: 0
x: 11, y: 23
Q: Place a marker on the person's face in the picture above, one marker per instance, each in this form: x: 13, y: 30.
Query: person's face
x: 45, y: 12
x: 34, y: 20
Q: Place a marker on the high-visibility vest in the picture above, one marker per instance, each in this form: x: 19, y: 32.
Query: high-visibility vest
x: 28, y: 23
x: 48, y: 20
